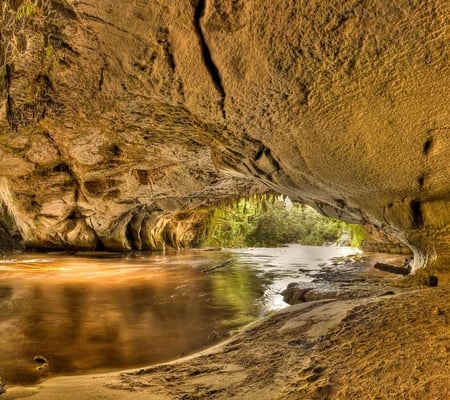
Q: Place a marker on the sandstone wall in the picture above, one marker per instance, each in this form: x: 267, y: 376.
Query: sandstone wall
x: 111, y: 114
x: 380, y: 242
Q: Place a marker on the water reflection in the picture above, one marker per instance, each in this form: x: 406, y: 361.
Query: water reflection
x: 90, y: 312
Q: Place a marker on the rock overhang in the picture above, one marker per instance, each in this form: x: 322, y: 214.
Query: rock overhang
x: 110, y: 113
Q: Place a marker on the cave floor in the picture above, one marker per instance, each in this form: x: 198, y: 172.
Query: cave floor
x: 383, y: 347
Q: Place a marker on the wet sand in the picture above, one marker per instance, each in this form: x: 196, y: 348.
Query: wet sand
x: 376, y: 347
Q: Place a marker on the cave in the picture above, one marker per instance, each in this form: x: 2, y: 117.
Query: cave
x: 161, y: 110
x: 120, y: 126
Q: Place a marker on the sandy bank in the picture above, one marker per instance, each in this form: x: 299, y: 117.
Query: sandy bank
x: 389, y: 347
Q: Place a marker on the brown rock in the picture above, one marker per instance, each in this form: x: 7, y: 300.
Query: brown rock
x: 295, y: 293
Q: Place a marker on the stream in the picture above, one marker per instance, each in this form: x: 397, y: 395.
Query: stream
x: 97, y: 312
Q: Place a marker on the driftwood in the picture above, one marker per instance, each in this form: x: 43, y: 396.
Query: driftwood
x: 217, y: 267
x: 393, y: 269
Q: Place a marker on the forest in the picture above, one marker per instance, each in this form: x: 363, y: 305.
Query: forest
x: 271, y: 221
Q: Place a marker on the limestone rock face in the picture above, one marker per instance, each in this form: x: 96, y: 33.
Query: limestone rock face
x: 115, y: 119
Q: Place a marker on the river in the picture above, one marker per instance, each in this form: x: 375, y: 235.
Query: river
x: 94, y: 312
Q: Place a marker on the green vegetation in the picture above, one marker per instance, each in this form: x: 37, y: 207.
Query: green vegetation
x: 25, y: 24
x: 271, y: 221
x: 17, y: 19
x: 27, y: 9
x: 358, y: 235
x: 49, y: 51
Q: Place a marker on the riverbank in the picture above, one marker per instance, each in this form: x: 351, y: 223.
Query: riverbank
x: 379, y: 347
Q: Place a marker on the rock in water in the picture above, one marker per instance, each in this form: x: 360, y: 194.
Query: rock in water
x: 295, y: 293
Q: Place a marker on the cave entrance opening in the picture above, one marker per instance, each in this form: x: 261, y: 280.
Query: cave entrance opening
x: 274, y: 220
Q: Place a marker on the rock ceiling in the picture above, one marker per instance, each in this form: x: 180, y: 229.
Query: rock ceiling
x: 117, y: 123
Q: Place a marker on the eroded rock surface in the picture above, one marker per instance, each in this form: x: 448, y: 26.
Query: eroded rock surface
x: 117, y: 119
x: 378, y: 241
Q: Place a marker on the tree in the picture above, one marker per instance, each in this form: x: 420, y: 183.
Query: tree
x: 271, y: 221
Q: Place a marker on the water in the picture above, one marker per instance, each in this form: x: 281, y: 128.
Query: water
x: 99, y: 312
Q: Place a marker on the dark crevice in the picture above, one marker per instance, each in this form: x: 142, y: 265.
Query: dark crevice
x: 340, y: 203
x: 129, y: 236
x: 10, y: 113
x: 114, y: 150
x: 9, y: 101
x: 63, y: 8
x: 77, y: 193
x: 163, y: 41
x: 207, y: 58
x: 275, y: 163
x: 75, y: 214
x: 72, y: 216
x: 62, y: 168
x: 427, y: 146
x: 67, y: 46
x: 259, y: 153
x: 181, y: 89
x: 416, y: 213
x: 265, y: 152
x: 421, y: 180
x: 4, y: 86
x: 101, y: 79
x: 305, y: 91
x: 134, y: 232
x: 170, y: 57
